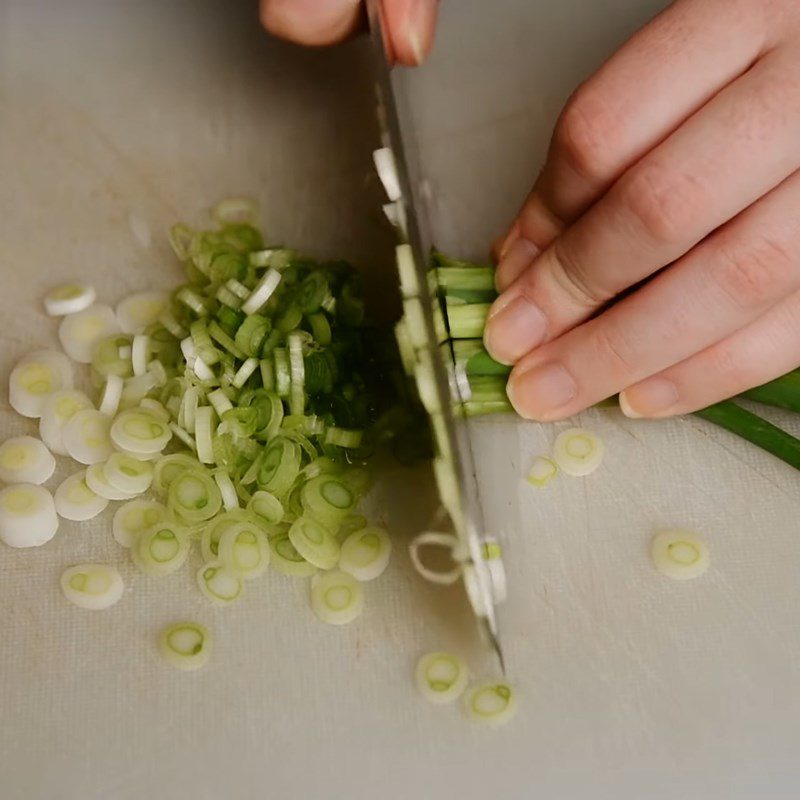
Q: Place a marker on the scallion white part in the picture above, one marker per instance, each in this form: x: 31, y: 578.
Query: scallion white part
x: 314, y: 543
x: 74, y: 500
x: 542, y: 471
x: 92, y: 586
x: 80, y: 332
x: 203, y: 423
x: 492, y: 554
x: 266, y: 506
x: 185, y: 645
x: 194, y: 496
x: 140, y: 431
x: 679, y: 554
x: 434, y: 539
x: 441, y: 677
x: 35, y: 378
x: 244, y: 372
x: 235, y: 210
x: 140, y: 350
x: 184, y: 436
x: 27, y: 515
x: 69, y: 299
x: 60, y: 407
x: 112, y: 395
x: 162, y: 549
x: 491, y: 702
x: 286, y: 560
x: 365, y: 553
x: 230, y: 499
x: 188, y: 409
x: 24, y: 459
x: 169, y: 467
x: 336, y: 597
x: 97, y: 481
x: 404, y: 257
x: 220, y: 402
x: 263, y: 291
x: 155, y: 408
x: 244, y: 550
x: 134, y: 517
x: 139, y: 310
x: 578, y: 452
x: 221, y: 586
x: 87, y: 437
x: 387, y: 172
x: 194, y: 362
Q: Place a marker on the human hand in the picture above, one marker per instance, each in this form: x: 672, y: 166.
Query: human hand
x: 682, y: 152
x: 410, y: 23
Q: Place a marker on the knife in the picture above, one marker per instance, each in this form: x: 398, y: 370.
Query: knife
x: 441, y: 388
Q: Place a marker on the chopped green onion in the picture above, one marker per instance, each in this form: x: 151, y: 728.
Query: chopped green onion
x: 342, y: 437
x: 435, y: 539
x: 244, y: 372
x: 185, y: 645
x: 327, y: 499
x: 80, y: 332
x: 74, y: 500
x: 314, y: 543
x: 336, y: 597
x: 37, y: 376
x: 134, y: 517
x: 140, y: 431
x: 188, y: 409
x: 225, y: 341
x: 492, y: 703
x: 128, y: 474
x: 24, y: 459
x: 266, y: 506
x: 27, y: 515
x: 251, y: 335
x: 219, y: 402
x: 542, y: 471
x: 203, y: 346
x: 137, y: 312
x: 112, y: 395
x: 59, y: 408
x: 262, y: 292
x: 203, y: 432
x: 140, y: 350
x: 578, y: 452
x: 286, y: 559
x: 230, y: 499
x: 194, y: 496
x: 162, y: 549
x: 244, y: 550
x: 96, y: 480
x: 681, y: 555
x: 113, y: 356
x: 365, y: 553
x: 184, y: 436
x: 441, y: 677
x: 69, y: 299
x: 219, y: 584
x: 209, y: 539
x: 92, y: 586
x: 87, y: 437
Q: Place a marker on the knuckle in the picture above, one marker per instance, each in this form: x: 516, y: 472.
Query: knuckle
x: 586, y: 133
x: 726, y: 367
x: 570, y: 273
x: 663, y: 202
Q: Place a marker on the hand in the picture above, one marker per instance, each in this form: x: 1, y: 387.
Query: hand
x: 678, y: 163
x: 410, y: 23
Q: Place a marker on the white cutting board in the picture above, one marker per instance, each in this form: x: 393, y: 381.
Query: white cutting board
x: 118, y: 118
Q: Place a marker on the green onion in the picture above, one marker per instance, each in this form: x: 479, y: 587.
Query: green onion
x: 314, y: 543
x: 185, y: 645
x: 287, y: 560
x: 162, y: 549
x: 336, y: 597
x: 218, y: 584
x: 244, y: 550
x: 441, y: 677
x: 193, y: 496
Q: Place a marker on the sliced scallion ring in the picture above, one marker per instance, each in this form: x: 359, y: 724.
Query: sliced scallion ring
x: 314, y: 543
x: 328, y: 499
x: 365, y: 553
x: 138, y: 430
x: 492, y: 702
x: 194, y: 496
x: 112, y: 395
x: 387, y: 172
x: 203, y: 433
x: 435, y: 539
x: 336, y: 597
x: 542, y: 471
x: 92, y: 586
x: 209, y: 539
x: 96, y: 480
x: 87, y: 437
x: 27, y: 515
x: 244, y: 550
x: 80, y: 332
x: 221, y: 586
x: 162, y: 549
x: 266, y: 506
x: 287, y: 560
x: 155, y: 408
x: 60, y: 407
x: 138, y: 311
x: 244, y: 372
x: 262, y: 292
x: 74, y: 500
x: 24, y: 459
x: 167, y: 468
x: 679, y: 554
x: 35, y: 378
x: 128, y: 474
x: 492, y: 554
x: 351, y: 524
x: 69, y: 299
x: 226, y: 488
x: 578, y: 452
x: 134, y: 517
x: 185, y: 645
x: 234, y: 210
x: 140, y: 352
x: 441, y: 677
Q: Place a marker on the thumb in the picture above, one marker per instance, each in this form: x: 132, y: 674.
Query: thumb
x: 411, y: 25
x: 310, y: 22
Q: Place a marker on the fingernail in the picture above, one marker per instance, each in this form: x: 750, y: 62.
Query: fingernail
x: 514, y: 327
x: 511, y: 237
x: 519, y: 255
x: 417, y: 25
x: 540, y: 393
x: 650, y: 398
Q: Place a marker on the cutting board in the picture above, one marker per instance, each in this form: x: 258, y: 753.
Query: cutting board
x: 117, y: 119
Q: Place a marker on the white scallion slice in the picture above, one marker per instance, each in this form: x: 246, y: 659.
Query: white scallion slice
x: 96, y: 480
x: 188, y: 409
x: 76, y: 501
x: 209, y: 538
x: 155, y: 408
x: 286, y: 560
x: 679, y: 554
x: 185, y: 645
x: 24, y: 459
x: 140, y: 351
x: 138, y: 311
x: 220, y: 402
x: 244, y: 372
x: 244, y: 550
x: 128, y: 474
x: 435, y: 539
x: 441, y: 677
x: 230, y: 499
x: 80, y: 332
x: 314, y: 543
x: 194, y: 496
x: 336, y: 597
x: 69, y: 299
x: 492, y: 554
x: 491, y: 702
x: 140, y: 431
x: 184, y: 436
x: 387, y: 172
x: 162, y: 549
x: 135, y: 517
x: 221, y: 586
x: 578, y: 452
x: 167, y: 468
x: 263, y: 291
x: 266, y: 506
x: 235, y: 210
x: 27, y: 515
x: 542, y: 471
x: 86, y: 437
x: 35, y: 378
x: 203, y: 422
x: 365, y: 553
x: 92, y: 586
x: 112, y: 395
x: 59, y: 409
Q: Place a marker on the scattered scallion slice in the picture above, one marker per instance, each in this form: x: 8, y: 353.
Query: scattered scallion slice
x: 128, y: 474
x: 80, y: 332
x: 96, y: 480
x: 27, y: 515
x: 74, y: 500
x: 169, y: 467
x: 447, y: 541
x: 492, y: 554
x: 92, y: 586
x: 578, y: 452
x: 60, y: 407
x: 441, y: 677
x: 112, y: 395
x: 134, y: 517
x: 194, y: 496
x: 24, y: 459
x: 227, y: 490
x: 336, y: 597
x: 69, y: 299
x: 203, y: 420
x: 221, y: 586
x: 35, y: 378
x: 162, y: 549
x: 365, y: 553
x: 286, y: 560
x: 679, y: 554
x: 267, y: 506
x: 314, y: 543
x: 138, y: 311
x: 185, y: 645
x: 140, y: 431
x: 87, y: 437
x: 263, y: 291
x: 244, y: 550
x: 140, y: 351
x: 492, y: 703
x: 542, y: 471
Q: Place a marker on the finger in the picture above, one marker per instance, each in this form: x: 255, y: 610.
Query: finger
x: 754, y: 355
x: 674, y: 197
x: 310, y: 22
x: 658, y: 79
x: 411, y: 25
x: 727, y: 282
